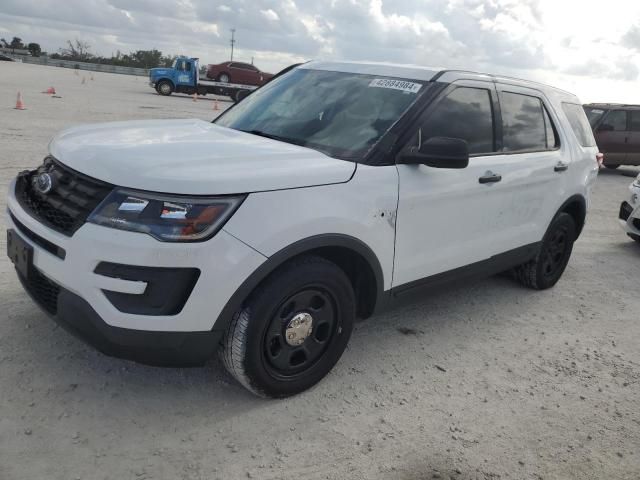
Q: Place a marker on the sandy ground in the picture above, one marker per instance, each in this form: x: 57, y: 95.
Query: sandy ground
x: 483, y: 381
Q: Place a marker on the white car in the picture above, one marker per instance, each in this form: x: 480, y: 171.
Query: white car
x: 331, y: 191
x: 629, y: 216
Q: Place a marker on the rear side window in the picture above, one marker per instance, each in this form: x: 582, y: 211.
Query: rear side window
x: 524, y: 123
x: 465, y: 113
x: 579, y: 124
x: 593, y: 115
x: 635, y: 120
x: 616, y: 121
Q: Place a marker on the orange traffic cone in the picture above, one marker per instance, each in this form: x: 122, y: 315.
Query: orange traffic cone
x: 50, y: 91
x: 20, y: 103
x: 215, y: 104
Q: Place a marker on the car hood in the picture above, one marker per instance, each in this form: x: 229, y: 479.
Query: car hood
x: 192, y: 157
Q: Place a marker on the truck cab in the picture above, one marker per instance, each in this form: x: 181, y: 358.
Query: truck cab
x: 181, y: 77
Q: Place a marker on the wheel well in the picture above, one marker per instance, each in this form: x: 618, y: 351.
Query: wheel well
x: 577, y: 209
x: 173, y: 86
x: 360, y: 273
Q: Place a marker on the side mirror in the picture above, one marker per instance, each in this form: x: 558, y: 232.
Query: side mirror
x: 438, y: 152
x: 605, y: 128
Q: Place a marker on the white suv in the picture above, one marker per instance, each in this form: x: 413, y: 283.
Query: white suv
x: 335, y: 188
x: 629, y: 216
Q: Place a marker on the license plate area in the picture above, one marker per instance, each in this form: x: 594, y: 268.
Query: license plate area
x: 20, y: 253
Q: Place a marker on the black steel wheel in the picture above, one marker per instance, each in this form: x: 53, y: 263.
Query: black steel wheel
x: 552, y: 258
x: 293, y: 328
x: 300, y: 332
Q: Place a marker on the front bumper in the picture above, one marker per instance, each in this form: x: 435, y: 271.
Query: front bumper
x: 71, y: 263
x: 75, y: 315
x: 629, y: 215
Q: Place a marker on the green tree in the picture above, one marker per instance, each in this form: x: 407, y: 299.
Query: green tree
x: 16, y: 43
x: 35, y: 49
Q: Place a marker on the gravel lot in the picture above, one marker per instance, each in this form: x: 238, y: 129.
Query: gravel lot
x: 485, y: 380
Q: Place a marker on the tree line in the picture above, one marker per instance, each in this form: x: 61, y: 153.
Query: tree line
x: 80, y: 51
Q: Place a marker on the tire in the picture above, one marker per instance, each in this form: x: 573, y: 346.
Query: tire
x: 164, y: 88
x: 552, y: 258
x: 611, y: 167
x: 262, y: 347
x: 224, y: 78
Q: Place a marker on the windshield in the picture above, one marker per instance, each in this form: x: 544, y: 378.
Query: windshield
x: 593, y: 114
x: 340, y: 114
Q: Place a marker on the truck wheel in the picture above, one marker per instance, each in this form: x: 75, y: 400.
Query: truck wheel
x: 552, y: 258
x: 292, y: 330
x: 224, y: 78
x: 612, y: 167
x: 164, y: 88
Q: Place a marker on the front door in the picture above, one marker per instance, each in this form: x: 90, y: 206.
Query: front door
x: 445, y: 215
x: 612, y: 137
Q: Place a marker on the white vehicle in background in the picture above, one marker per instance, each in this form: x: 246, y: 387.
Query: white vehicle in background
x: 629, y: 216
x: 332, y: 190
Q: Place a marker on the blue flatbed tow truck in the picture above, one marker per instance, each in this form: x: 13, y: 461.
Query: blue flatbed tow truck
x: 183, y: 77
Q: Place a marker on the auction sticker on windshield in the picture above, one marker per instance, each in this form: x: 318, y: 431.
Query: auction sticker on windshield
x: 396, y: 85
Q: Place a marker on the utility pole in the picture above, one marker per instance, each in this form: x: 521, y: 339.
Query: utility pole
x: 233, y: 41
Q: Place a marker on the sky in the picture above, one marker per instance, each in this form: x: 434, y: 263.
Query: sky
x: 591, y: 48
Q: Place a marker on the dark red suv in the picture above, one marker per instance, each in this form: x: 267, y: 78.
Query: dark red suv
x: 237, y: 72
x: 617, y: 131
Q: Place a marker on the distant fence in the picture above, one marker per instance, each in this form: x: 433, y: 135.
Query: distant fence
x: 96, y: 67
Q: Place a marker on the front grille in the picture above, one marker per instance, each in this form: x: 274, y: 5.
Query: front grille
x: 70, y: 201
x: 43, y: 290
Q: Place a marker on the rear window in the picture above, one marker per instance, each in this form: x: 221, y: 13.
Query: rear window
x: 593, y: 115
x: 525, y: 123
x: 579, y: 124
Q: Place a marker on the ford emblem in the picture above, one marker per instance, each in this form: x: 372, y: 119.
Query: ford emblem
x: 43, y: 183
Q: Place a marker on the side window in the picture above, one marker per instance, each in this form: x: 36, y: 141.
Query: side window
x: 616, y: 121
x: 580, y: 124
x: 465, y: 113
x: 187, y: 66
x: 635, y: 120
x: 523, y: 123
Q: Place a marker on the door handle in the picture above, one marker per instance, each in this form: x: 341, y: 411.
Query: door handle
x: 561, y: 167
x: 490, y: 177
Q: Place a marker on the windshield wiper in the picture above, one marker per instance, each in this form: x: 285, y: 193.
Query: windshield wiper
x: 260, y: 133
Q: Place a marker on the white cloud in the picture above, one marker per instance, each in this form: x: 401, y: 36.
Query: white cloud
x: 590, y: 48
x: 270, y: 14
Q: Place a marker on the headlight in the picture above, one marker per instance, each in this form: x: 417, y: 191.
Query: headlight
x: 167, y: 218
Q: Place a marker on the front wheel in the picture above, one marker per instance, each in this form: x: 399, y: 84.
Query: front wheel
x: 552, y: 258
x: 164, y: 88
x: 292, y: 330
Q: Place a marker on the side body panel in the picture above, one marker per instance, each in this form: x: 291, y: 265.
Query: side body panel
x: 363, y: 208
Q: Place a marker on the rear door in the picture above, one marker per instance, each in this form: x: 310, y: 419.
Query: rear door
x: 612, y: 137
x: 633, y: 139
x: 534, y: 166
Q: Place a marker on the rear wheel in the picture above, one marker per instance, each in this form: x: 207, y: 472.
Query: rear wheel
x: 292, y: 330
x: 552, y: 258
x: 224, y: 78
x: 164, y: 88
x: 611, y: 166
